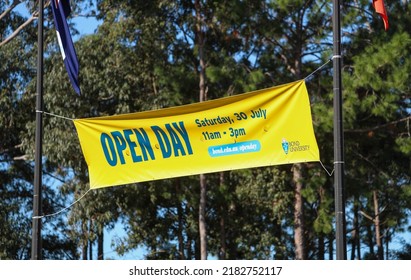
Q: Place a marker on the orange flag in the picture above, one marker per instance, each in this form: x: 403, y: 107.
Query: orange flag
x: 380, y: 9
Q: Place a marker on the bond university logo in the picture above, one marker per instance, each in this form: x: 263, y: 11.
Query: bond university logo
x: 293, y: 146
x: 284, y: 143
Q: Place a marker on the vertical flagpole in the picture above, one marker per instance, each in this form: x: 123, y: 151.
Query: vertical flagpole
x: 338, y: 137
x: 36, y: 232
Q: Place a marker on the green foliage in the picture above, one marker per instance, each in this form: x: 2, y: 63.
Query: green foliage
x: 145, y: 56
x: 404, y: 145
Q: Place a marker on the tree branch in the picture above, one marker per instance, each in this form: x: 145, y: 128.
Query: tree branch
x: 12, y: 6
x: 21, y: 27
x: 364, y: 130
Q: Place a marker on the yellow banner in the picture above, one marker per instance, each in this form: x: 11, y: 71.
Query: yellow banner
x: 260, y: 128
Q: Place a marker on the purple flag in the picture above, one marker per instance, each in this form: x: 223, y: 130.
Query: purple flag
x: 61, y: 10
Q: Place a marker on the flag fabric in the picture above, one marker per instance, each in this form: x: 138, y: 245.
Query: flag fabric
x: 260, y: 128
x: 379, y: 7
x: 61, y: 10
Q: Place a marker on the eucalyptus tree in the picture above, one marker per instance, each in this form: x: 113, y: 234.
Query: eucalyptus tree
x: 14, y: 171
x: 18, y: 51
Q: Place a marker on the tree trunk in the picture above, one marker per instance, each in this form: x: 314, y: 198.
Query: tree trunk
x: 321, y: 235
x: 299, y: 240
x: 180, y: 217
x: 378, y: 238
x: 387, y: 244
x: 202, y: 217
x: 298, y: 174
x: 84, y: 248
x: 100, y: 244
x: 330, y: 246
x: 223, y: 246
x: 356, y: 233
x: 353, y: 241
x: 189, y: 246
x: 203, y: 97
x: 280, y: 248
x: 90, y: 242
x: 370, y: 241
x: 321, y: 247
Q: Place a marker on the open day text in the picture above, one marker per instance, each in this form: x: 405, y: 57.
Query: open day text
x: 172, y: 139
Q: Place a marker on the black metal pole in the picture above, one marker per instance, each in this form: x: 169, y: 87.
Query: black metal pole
x: 36, y: 233
x: 338, y: 137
